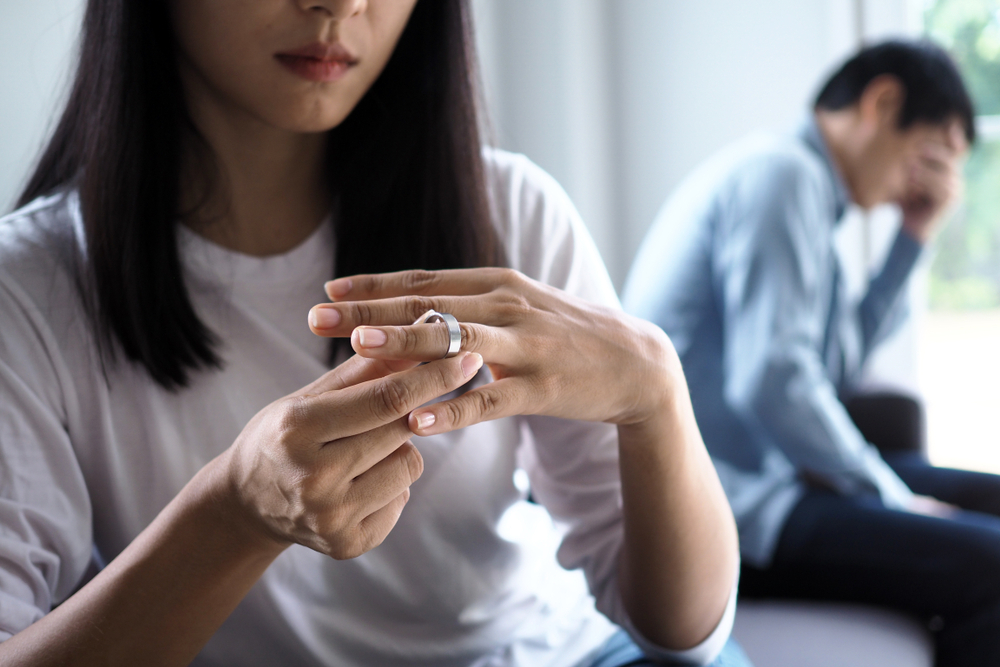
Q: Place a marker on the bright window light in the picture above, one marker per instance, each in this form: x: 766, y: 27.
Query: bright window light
x: 960, y: 340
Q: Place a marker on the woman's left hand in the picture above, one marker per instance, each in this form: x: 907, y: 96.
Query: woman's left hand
x: 554, y: 354
x: 550, y: 353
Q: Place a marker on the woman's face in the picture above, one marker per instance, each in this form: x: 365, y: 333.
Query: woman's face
x: 298, y: 65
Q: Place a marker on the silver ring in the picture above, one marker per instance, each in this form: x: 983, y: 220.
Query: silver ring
x: 454, y: 330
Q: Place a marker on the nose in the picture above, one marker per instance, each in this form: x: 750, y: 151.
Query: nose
x: 335, y: 9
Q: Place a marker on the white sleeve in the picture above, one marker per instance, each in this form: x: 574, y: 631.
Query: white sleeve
x: 573, y: 465
x: 45, y: 511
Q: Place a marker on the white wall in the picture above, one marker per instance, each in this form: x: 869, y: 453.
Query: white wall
x: 549, y: 69
x: 620, y: 99
x: 697, y: 75
x: 36, y: 43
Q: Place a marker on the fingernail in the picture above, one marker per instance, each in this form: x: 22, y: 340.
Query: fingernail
x: 425, y: 420
x: 472, y: 363
x: 371, y: 337
x: 324, y: 318
x: 339, y: 287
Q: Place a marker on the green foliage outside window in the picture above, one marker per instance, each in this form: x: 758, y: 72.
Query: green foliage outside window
x: 966, y: 270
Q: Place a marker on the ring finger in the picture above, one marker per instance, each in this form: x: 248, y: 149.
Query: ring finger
x: 427, y: 342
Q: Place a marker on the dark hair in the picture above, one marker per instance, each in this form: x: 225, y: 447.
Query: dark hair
x: 408, y: 183
x: 934, y: 89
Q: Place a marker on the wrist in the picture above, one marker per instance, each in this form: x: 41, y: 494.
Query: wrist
x: 918, y: 231
x: 221, y: 502
x: 660, y: 389
x: 662, y: 424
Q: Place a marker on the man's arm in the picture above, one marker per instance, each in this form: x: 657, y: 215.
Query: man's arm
x: 883, y: 308
x: 934, y: 184
x: 773, y: 270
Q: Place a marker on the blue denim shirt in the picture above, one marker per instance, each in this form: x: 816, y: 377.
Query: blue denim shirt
x: 741, y: 271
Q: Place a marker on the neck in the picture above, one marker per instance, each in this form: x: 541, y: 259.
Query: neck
x: 270, y: 193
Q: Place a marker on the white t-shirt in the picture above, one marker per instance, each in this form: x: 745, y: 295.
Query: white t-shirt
x: 469, y: 574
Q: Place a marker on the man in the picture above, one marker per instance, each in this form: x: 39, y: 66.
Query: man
x: 740, y: 270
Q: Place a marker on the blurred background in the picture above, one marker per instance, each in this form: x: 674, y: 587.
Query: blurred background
x: 620, y: 99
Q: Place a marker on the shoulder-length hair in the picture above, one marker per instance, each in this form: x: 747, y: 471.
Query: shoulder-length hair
x: 408, y: 180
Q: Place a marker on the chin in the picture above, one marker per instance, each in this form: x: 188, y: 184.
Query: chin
x: 311, y: 119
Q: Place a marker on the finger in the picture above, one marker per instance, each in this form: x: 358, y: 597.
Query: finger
x: 456, y: 282
x: 374, y: 528
x: 371, y: 404
x: 338, y: 320
x: 938, y: 187
x: 384, y: 481
x: 426, y: 342
x: 937, y: 159
x: 918, y: 182
x: 956, y: 140
x: 502, y: 398
x: 924, y: 178
x: 355, y: 455
x: 354, y: 371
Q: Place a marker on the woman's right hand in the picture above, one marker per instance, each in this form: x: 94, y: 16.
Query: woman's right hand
x: 330, y: 466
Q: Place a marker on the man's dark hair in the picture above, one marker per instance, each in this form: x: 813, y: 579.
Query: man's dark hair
x: 405, y: 172
x: 934, y: 89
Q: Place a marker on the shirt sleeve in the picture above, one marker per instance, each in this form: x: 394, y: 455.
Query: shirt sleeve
x: 573, y: 465
x: 772, y: 269
x: 45, y: 511
x: 883, y: 308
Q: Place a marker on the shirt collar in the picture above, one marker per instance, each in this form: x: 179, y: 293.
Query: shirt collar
x: 813, y: 138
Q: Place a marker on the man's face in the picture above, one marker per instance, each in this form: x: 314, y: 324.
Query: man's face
x: 905, y: 166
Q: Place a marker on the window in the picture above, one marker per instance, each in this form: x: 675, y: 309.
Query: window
x: 960, y: 349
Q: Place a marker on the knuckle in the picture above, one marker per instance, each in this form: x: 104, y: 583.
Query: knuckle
x: 419, y: 280
x: 454, y: 412
x: 409, y: 341
x: 367, y: 284
x: 485, y: 402
x: 471, y: 337
x: 417, y: 306
x: 514, y: 278
x: 445, y: 376
x: 471, y: 408
x: 508, y: 276
x: 514, y: 306
x: 391, y: 399
x: 361, y: 313
x: 291, y: 416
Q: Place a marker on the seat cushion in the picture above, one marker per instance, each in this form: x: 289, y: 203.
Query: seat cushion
x: 811, y: 634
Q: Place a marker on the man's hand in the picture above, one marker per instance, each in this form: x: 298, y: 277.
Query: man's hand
x: 935, y: 183
x: 928, y: 506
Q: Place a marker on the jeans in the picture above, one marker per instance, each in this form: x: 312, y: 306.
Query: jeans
x: 620, y: 651
x: 943, y: 570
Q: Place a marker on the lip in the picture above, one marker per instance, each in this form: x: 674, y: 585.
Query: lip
x: 319, y: 61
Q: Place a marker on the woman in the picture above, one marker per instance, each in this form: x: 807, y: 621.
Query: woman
x: 216, y: 164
